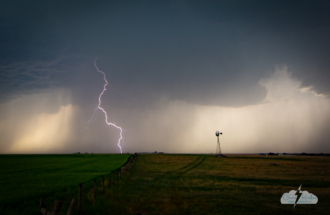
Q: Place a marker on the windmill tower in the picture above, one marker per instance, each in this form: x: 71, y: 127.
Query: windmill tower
x: 218, y: 152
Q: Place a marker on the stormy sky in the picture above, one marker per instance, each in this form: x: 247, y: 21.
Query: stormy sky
x: 177, y: 70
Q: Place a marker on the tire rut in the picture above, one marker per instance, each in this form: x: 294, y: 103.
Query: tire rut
x: 165, y: 187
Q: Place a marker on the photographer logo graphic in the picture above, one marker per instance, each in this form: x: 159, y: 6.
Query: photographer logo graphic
x: 298, y: 197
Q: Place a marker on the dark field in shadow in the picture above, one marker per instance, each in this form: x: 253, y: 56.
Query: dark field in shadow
x: 202, y: 184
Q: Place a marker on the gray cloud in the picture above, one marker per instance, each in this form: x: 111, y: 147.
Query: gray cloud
x: 21, y: 78
x: 188, y: 51
x: 191, y: 54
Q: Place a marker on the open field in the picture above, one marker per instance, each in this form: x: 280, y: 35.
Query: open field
x: 202, y: 184
x: 24, y: 179
x: 180, y: 184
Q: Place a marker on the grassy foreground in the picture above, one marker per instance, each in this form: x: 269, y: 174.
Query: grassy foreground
x: 24, y: 179
x: 166, y: 184
x: 202, y: 184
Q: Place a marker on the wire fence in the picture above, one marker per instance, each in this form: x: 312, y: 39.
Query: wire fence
x: 111, y: 180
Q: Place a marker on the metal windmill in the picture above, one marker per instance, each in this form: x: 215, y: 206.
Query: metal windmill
x: 217, y: 133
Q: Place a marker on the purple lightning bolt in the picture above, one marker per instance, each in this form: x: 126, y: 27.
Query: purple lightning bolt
x: 105, y: 113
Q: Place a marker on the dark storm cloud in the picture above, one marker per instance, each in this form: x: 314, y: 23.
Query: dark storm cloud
x: 209, y: 53
x: 17, y: 78
x: 299, y: 31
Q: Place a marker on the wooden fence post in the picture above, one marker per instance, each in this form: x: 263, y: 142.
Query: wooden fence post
x: 43, y: 211
x: 80, y: 199
x: 117, y: 178
x: 103, y: 184
x: 70, y: 211
x: 42, y: 204
x: 57, y: 207
x: 94, y: 189
x: 109, y: 180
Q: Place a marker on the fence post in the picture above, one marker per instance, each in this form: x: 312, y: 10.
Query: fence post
x: 117, y: 177
x: 42, y: 204
x: 57, y: 207
x: 73, y: 202
x: 80, y: 199
x: 94, y: 189
x: 103, y: 184
x: 114, y: 178
x: 109, y: 180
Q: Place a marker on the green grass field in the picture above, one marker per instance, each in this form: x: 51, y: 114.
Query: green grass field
x: 171, y: 184
x: 24, y: 179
